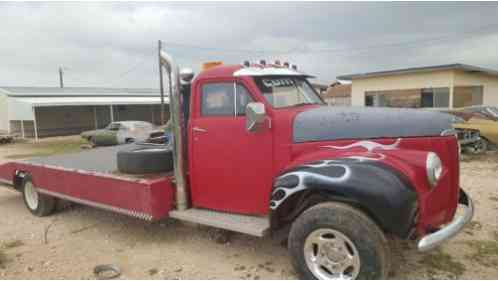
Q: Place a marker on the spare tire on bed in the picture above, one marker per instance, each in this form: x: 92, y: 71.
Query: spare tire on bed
x: 145, y: 159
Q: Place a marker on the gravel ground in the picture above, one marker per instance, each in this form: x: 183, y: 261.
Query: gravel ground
x: 70, y: 243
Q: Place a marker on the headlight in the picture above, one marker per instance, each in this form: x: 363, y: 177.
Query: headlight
x: 434, y: 168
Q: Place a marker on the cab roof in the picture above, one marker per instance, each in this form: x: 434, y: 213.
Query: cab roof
x: 229, y: 71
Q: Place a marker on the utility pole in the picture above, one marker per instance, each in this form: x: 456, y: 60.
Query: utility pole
x: 61, y: 78
x: 161, y: 86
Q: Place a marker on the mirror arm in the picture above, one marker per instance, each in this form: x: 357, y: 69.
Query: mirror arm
x: 253, y: 124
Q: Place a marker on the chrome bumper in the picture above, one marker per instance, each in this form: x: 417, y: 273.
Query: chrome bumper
x: 433, y: 240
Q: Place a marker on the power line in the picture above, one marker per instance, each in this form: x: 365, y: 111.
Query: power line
x: 128, y: 71
x: 353, y: 51
x: 421, y: 41
x: 473, y: 33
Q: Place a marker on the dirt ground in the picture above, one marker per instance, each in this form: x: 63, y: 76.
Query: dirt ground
x: 70, y: 243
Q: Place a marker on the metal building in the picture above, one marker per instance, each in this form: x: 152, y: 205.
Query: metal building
x: 47, y: 111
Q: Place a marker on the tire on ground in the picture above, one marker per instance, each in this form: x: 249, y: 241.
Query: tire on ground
x: 145, y: 159
x: 369, y: 240
x: 45, y: 204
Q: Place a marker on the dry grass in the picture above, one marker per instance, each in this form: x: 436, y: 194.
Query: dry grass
x: 5, y: 246
x: 12, y: 244
x: 443, y: 262
x: 484, y: 252
x: 3, y: 259
x: 472, y: 226
x: 49, y: 148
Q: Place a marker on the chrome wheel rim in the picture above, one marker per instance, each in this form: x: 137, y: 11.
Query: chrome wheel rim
x: 330, y: 254
x: 479, y: 146
x: 31, y: 195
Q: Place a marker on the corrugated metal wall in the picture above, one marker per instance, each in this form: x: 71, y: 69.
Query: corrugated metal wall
x: 73, y: 120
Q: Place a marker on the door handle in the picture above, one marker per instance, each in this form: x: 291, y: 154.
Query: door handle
x: 200, y: 130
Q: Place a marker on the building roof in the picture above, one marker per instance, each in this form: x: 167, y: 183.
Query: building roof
x: 455, y: 66
x: 320, y: 86
x: 338, y: 90
x: 89, y: 101
x: 78, y: 92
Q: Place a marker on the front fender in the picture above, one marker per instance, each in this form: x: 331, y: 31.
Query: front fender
x: 385, y: 193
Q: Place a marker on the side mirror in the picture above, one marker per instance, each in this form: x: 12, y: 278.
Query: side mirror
x: 255, y: 116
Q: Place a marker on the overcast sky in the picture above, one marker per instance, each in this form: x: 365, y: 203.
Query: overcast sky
x: 115, y: 44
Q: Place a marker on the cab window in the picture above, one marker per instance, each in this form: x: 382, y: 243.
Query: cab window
x: 224, y: 99
x: 243, y: 98
x: 217, y: 99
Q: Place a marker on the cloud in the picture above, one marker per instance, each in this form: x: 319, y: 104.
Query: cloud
x: 114, y: 44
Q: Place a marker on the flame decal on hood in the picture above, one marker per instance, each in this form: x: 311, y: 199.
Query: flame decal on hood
x: 368, y: 145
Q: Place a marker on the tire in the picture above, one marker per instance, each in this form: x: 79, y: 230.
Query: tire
x: 92, y: 141
x: 342, y: 232
x: 38, y: 204
x: 145, y: 159
x: 479, y: 147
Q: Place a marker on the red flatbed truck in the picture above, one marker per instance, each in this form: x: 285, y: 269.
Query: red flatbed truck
x: 256, y: 151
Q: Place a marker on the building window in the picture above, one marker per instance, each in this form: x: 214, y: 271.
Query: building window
x: 369, y: 99
x: 411, y: 98
x: 435, y: 97
x: 467, y: 96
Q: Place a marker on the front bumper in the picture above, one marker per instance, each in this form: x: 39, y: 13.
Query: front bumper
x: 433, y: 240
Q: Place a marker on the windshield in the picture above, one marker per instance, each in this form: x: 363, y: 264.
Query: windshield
x: 287, y: 91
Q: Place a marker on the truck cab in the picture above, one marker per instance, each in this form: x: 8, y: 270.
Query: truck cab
x: 261, y: 142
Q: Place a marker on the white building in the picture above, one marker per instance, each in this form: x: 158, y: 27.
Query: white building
x: 46, y: 111
x: 442, y: 86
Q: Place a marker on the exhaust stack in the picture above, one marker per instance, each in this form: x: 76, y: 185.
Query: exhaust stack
x: 177, y: 122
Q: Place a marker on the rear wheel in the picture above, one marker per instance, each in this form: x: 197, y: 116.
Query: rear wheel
x: 37, y: 203
x: 337, y: 241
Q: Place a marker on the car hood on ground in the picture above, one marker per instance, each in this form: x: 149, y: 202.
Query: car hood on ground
x: 335, y: 123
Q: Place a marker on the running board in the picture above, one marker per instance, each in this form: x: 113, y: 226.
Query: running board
x: 255, y: 226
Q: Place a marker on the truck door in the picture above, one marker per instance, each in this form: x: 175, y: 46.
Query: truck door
x: 231, y: 168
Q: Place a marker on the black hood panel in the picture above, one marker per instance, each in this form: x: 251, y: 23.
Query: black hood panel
x: 335, y: 123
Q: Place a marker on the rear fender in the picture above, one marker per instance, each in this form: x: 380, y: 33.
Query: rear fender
x: 382, y: 191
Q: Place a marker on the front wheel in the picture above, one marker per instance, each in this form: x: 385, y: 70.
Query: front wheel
x: 337, y: 241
